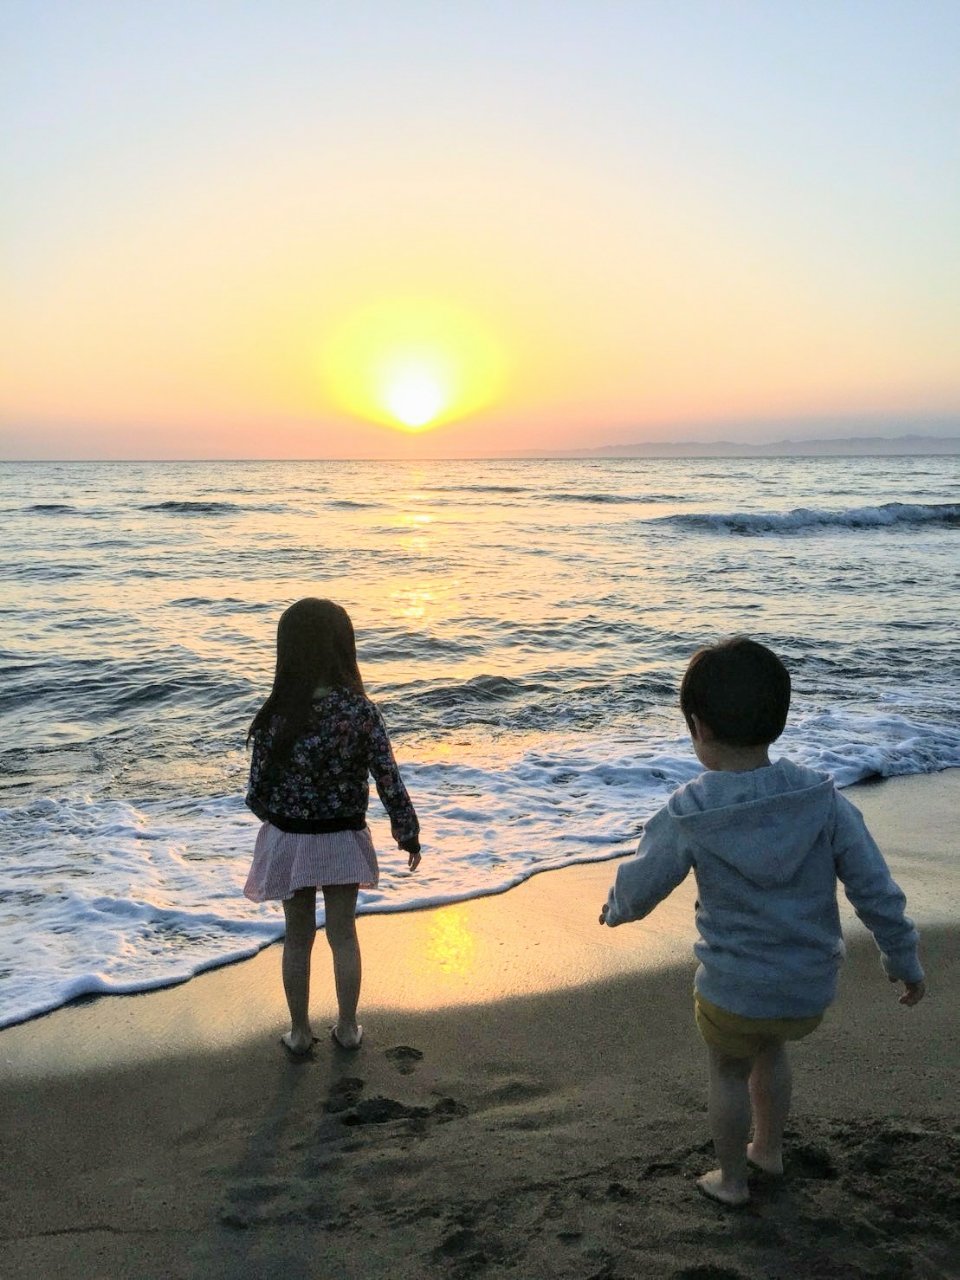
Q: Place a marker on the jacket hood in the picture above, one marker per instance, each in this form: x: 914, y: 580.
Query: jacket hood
x: 761, y: 823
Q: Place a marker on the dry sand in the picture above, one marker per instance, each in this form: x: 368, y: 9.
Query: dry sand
x: 529, y: 1102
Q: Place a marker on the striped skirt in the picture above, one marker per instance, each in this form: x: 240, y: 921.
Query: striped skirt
x: 285, y: 861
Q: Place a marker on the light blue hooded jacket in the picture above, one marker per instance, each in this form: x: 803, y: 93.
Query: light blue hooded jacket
x: 767, y: 848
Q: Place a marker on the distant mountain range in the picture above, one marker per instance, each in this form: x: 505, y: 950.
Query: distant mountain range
x: 848, y: 446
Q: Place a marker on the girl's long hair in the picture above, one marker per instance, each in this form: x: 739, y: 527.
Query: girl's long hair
x: 315, y: 646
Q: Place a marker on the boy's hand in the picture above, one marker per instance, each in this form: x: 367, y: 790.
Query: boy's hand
x: 913, y: 992
x: 411, y: 847
x: 603, y: 914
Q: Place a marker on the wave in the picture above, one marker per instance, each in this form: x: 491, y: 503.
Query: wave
x: 95, y: 690
x: 389, y: 645
x: 228, y: 605
x: 476, y: 488
x: 614, y: 499
x: 547, y: 701
x: 193, y: 508
x: 50, y: 572
x: 478, y: 689
x: 800, y: 519
x: 853, y: 747
x: 51, y: 507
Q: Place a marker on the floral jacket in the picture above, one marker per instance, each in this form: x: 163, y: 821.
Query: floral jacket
x: 323, y: 783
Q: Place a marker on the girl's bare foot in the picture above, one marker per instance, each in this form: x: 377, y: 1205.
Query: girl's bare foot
x: 765, y: 1161
x: 347, y: 1035
x: 713, y: 1186
x: 298, y: 1042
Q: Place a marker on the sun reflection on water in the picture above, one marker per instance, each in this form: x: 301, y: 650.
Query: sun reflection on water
x: 415, y: 604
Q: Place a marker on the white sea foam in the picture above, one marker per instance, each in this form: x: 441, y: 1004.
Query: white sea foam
x: 110, y: 896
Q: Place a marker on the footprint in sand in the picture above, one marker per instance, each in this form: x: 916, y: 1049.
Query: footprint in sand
x: 469, y: 1251
x: 383, y: 1111
x: 811, y: 1162
x: 343, y: 1095
x: 404, y: 1057
x: 708, y: 1272
x: 386, y: 1110
x: 515, y: 1090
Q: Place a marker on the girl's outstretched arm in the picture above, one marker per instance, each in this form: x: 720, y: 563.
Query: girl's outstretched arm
x: 383, y: 767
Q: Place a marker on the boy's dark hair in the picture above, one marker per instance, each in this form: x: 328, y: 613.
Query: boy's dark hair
x: 740, y: 690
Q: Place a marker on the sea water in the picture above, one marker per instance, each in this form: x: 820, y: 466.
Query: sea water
x: 523, y: 626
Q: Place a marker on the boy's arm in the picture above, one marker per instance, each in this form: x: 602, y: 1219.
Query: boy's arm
x: 876, y: 897
x: 643, y: 881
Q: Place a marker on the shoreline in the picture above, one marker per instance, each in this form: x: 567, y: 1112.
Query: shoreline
x: 454, y: 952
x: 529, y: 1100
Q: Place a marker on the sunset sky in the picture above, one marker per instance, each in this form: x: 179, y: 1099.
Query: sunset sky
x: 392, y: 228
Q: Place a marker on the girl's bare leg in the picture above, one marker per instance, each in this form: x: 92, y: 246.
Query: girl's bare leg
x: 300, y: 913
x: 729, y: 1112
x: 340, y: 903
x: 771, y: 1083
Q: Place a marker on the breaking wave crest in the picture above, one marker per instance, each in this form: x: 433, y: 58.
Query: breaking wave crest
x: 801, y: 519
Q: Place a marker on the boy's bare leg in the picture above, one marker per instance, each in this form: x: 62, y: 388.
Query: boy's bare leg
x: 771, y: 1083
x: 340, y: 902
x: 729, y: 1113
x: 300, y: 913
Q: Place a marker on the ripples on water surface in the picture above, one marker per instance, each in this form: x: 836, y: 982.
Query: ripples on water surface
x: 523, y: 626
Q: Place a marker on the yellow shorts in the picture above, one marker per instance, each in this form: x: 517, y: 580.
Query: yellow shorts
x: 740, y: 1037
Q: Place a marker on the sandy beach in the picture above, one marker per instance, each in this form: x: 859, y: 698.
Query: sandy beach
x: 529, y: 1101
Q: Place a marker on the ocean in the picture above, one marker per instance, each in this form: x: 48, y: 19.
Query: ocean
x: 523, y: 626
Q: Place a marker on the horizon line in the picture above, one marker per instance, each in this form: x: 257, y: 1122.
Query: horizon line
x: 575, y: 455
x: 584, y: 452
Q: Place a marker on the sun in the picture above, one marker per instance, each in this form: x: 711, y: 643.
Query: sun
x: 415, y: 397
x: 412, y: 363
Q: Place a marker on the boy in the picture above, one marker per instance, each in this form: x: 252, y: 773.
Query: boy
x: 767, y: 843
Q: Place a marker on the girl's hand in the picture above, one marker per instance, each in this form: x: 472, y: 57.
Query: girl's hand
x: 411, y: 847
x: 603, y: 914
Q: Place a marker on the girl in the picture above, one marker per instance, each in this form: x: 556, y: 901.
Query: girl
x: 315, y: 740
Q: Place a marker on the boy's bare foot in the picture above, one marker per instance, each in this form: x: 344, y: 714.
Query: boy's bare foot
x: 764, y: 1161
x: 298, y: 1042
x: 713, y: 1186
x: 347, y: 1037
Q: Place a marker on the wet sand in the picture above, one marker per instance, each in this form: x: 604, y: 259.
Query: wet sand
x: 529, y: 1101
